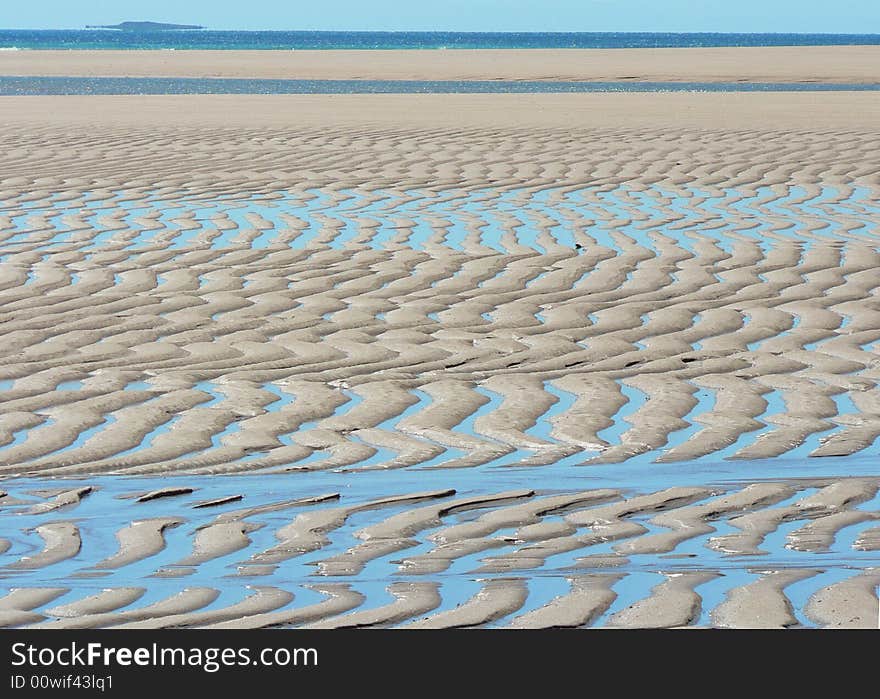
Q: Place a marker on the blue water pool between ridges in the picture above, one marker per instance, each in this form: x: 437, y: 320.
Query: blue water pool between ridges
x: 351, y: 207
x: 100, y: 515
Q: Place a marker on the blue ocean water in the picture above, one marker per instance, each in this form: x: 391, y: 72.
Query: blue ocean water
x: 211, y: 39
x: 62, y: 85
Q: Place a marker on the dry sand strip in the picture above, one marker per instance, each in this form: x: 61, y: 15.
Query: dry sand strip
x: 411, y: 600
x: 590, y: 596
x: 672, y: 603
x: 851, y: 64
x: 761, y: 604
x: 849, y: 604
x: 766, y: 112
x: 262, y: 600
x: 340, y: 599
x: 61, y: 540
x: 496, y: 599
x: 139, y: 540
x: 188, y: 599
x: 99, y: 603
x: 17, y: 605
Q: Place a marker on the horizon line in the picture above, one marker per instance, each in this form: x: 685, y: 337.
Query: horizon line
x: 111, y: 28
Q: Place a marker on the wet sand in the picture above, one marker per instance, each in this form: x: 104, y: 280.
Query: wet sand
x: 329, y: 291
x: 602, y: 558
x: 837, y: 64
x: 648, y: 303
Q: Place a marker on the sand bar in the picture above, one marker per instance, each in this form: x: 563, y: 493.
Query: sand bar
x: 836, y: 64
x: 771, y: 112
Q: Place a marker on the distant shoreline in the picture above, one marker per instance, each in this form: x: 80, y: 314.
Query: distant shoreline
x: 146, y: 27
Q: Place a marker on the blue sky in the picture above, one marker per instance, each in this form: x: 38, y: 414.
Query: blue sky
x: 858, y: 16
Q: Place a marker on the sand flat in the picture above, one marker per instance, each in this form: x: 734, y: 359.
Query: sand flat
x: 766, y: 112
x: 836, y: 64
x: 670, y: 594
x: 297, y: 287
x: 690, y: 251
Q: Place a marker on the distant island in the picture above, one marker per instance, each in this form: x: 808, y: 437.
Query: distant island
x: 144, y: 26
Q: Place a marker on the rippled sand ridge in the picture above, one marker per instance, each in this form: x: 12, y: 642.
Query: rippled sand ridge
x: 438, y: 369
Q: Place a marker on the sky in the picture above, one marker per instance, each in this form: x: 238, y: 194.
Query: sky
x: 839, y: 16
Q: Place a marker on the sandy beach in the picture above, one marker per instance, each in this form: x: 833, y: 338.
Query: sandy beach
x: 425, y: 333
x: 830, y: 64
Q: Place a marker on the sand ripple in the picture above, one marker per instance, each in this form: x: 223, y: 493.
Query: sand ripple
x: 382, y: 303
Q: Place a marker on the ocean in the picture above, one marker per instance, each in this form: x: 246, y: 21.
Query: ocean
x: 11, y: 39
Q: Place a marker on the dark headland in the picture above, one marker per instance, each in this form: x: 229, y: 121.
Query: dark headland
x: 144, y: 26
